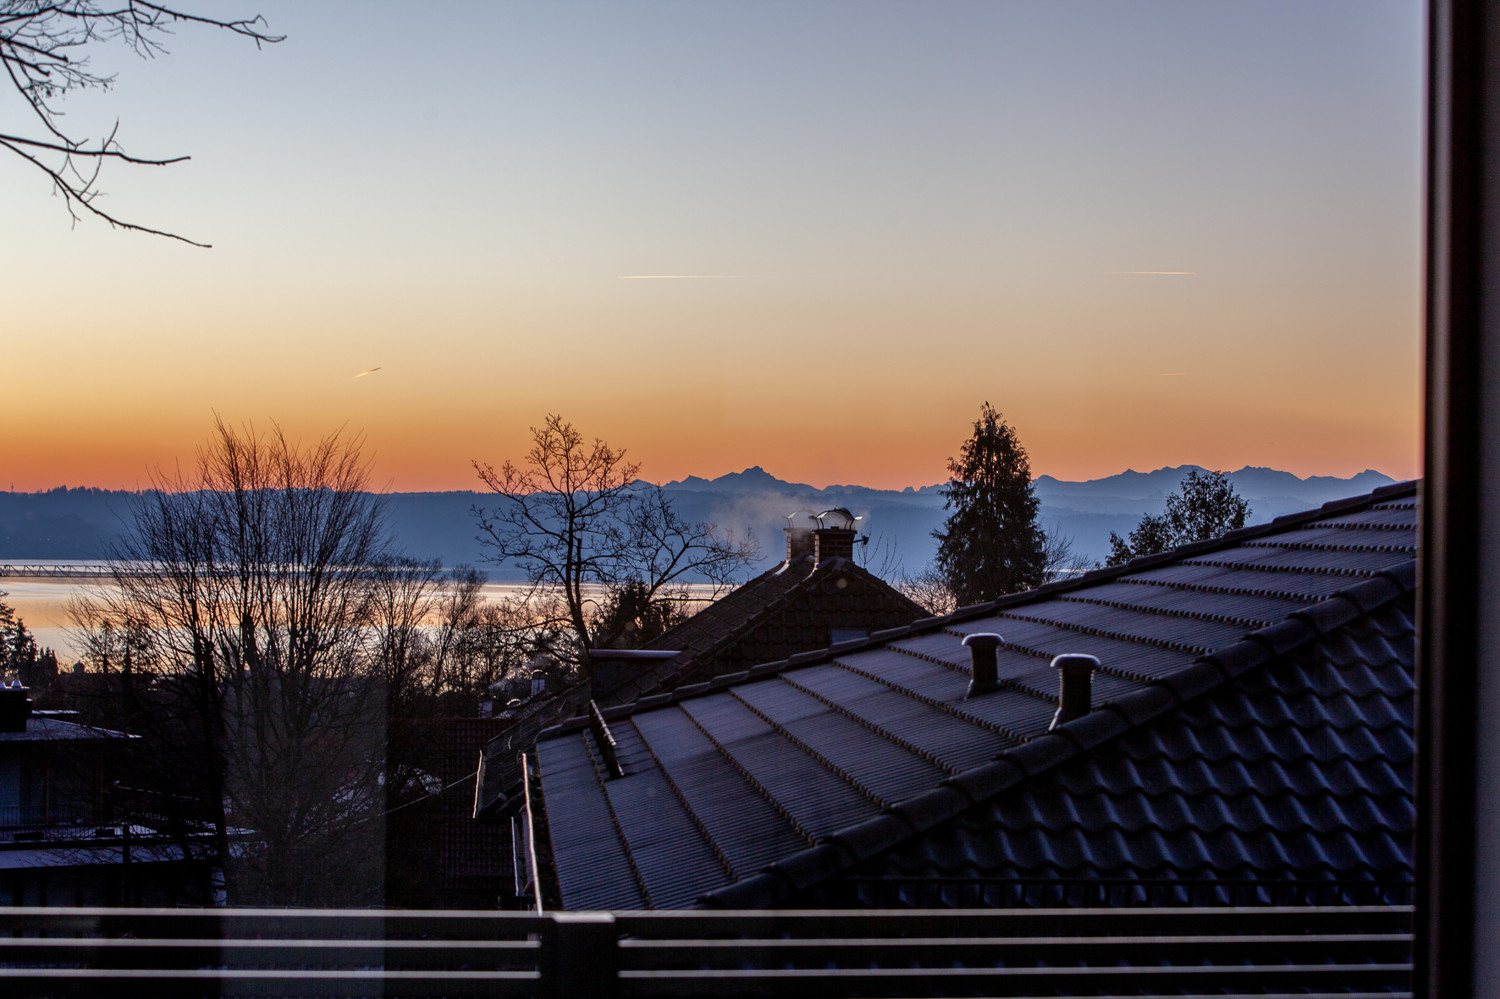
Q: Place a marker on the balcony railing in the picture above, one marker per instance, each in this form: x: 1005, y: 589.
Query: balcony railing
x: 30, y: 816
x: 1069, y: 952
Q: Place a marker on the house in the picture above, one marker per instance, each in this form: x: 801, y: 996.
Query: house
x: 63, y: 840
x: 1229, y: 722
x: 817, y: 597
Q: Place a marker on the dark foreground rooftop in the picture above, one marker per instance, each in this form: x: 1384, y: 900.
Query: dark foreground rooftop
x: 1250, y: 724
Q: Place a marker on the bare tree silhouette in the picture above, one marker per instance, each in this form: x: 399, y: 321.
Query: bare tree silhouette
x: 45, y: 47
x: 576, y: 520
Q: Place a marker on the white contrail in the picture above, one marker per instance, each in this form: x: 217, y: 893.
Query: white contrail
x: 673, y: 277
x: 1151, y: 272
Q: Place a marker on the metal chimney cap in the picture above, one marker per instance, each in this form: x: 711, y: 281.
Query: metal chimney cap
x: 1074, y: 662
x: 802, y: 520
x: 837, y: 519
x: 982, y: 640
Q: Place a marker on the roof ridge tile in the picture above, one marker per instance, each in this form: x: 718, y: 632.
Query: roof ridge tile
x: 988, y: 779
x: 1283, y: 636
x: 1198, y: 677
x: 1139, y: 706
x: 806, y: 868
x: 1327, y: 615
x: 1039, y: 753
x: 1099, y: 725
x: 931, y: 807
x: 872, y: 836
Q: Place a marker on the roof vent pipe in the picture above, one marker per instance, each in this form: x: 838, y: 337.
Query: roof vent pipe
x: 982, y: 670
x: 1074, y: 700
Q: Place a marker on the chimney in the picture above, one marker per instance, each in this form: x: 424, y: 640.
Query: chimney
x: 799, y: 534
x: 834, y: 537
x: 982, y: 668
x: 15, y: 707
x: 1074, y: 700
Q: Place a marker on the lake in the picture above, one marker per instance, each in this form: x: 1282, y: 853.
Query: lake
x: 42, y: 601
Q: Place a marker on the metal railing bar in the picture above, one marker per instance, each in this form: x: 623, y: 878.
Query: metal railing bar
x: 1256, y: 939
x: 127, y: 982
x: 999, y: 922
x: 1005, y: 981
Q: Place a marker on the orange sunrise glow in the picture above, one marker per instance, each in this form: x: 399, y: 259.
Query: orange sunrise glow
x: 719, y: 239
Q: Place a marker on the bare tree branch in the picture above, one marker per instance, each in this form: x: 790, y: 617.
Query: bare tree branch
x: 45, y: 46
x: 578, y: 523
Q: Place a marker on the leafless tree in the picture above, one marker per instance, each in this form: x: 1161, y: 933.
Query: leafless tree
x: 879, y: 556
x: 930, y: 589
x: 247, y: 593
x: 437, y: 634
x: 577, y: 521
x: 46, y: 46
x: 1061, y: 560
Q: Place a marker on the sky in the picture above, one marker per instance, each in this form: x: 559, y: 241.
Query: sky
x: 810, y: 236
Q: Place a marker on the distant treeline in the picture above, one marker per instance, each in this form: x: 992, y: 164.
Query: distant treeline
x: 77, y: 523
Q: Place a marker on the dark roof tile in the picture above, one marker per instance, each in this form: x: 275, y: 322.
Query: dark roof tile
x: 1285, y: 773
x: 817, y: 800
x: 746, y: 826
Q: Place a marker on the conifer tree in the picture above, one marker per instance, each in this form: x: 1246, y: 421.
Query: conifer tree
x: 1204, y: 506
x: 991, y: 544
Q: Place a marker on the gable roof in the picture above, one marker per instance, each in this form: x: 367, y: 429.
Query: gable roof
x: 792, y: 607
x: 787, y: 609
x: 1297, y: 770
x: 756, y: 788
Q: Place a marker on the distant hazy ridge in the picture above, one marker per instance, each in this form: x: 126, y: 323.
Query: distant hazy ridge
x: 77, y: 523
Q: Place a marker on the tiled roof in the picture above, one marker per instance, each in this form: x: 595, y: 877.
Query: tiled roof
x: 793, y: 607
x: 1298, y: 769
x: 1254, y: 693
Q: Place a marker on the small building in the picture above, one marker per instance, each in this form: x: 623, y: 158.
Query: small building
x: 819, y: 597
x: 63, y: 838
x: 1228, y: 723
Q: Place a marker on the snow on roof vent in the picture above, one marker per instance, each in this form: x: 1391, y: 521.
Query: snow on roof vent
x: 983, y: 672
x: 1074, y: 700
